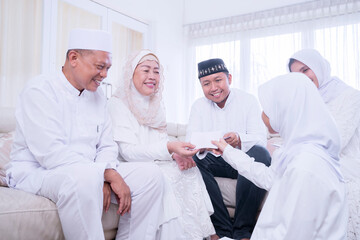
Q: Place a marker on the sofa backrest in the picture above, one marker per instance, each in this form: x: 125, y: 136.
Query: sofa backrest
x: 7, y: 119
x: 176, y: 131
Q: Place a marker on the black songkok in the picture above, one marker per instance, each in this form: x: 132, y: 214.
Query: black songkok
x: 211, y: 66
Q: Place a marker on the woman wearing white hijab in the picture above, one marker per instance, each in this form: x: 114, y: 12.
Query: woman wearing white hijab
x: 343, y: 102
x: 139, y: 127
x: 306, y: 192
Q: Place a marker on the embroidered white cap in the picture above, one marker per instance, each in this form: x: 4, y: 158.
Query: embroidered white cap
x: 90, y: 39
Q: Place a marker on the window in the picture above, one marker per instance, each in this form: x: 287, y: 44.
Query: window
x: 34, y: 35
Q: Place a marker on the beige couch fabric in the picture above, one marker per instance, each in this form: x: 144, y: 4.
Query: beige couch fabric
x: 28, y: 216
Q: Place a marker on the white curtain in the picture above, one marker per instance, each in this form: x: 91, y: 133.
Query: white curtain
x: 20, y: 47
x: 256, y: 47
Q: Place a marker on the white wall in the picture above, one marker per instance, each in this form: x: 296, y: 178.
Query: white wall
x: 205, y: 10
x: 165, y: 19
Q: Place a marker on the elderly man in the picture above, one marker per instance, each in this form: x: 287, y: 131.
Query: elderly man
x: 63, y: 148
x: 236, y: 114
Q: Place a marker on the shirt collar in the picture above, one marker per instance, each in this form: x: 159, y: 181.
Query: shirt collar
x: 67, y: 85
x: 228, y: 100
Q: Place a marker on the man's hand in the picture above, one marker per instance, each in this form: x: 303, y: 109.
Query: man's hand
x: 107, y: 196
x: 233, y: 139
x: 221, y: 144
x: 184, y: 163
x: 121, y: 190
x: 182, y: 148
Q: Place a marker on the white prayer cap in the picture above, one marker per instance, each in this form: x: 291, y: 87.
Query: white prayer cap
x: 90, y: 39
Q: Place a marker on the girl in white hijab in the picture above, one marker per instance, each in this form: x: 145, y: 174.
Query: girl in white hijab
x: 343, y: 102
x: 139, y: 128
x: 306, y: 197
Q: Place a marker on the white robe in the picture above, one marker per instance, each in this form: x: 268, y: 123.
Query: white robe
x: 346, y: 111
x: 344, y: 104
x: 307, y: 198
x: 298, y: 202
x: 63, y: 144
x: 185, y: 195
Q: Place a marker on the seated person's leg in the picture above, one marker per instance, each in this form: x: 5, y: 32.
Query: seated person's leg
x: 77, y: 191
x: 211, y: 167
x: 145, y: 181
x: 249, y: 197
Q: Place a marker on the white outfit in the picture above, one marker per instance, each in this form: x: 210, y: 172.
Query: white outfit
x: 63, y: 144
x: 185, y: 197
x: 139, y: 126
x: 241, y: 114
x: 344, y: 105
x: 307, y: 198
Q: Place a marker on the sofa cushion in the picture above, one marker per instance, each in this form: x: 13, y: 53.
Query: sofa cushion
x: 176, y: 131
x: 37, y: 217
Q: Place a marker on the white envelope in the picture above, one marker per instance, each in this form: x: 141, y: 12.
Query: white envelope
x: 203, y: 139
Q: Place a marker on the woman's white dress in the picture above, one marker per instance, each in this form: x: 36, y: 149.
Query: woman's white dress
x: 185, y: 195
x: 346, y: 111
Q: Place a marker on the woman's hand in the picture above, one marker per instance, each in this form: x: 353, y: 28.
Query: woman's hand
x: 107, y: 196
x: 184, y: 149
x: 221, y: 145
x: 233, y: 139
x: 184, y: 163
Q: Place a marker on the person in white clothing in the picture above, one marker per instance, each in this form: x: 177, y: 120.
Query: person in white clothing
x: 237, y: 115
x: 63, y: 148
x: 343, y: 102
x: 139, y: 128
x: 307, y: 198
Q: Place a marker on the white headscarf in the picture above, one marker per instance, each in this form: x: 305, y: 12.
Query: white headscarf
x: 329, y: 87
x: 297, y: 113
x: 148, y: 110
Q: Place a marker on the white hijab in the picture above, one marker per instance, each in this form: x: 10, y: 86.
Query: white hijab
x: 297, y: 113
x: 148, y: 110
x: 329, y: 87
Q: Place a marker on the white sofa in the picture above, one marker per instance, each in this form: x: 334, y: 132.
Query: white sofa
x: 27, y: 216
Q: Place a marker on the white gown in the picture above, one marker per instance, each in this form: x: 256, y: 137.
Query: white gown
x: 306, y: 202
x: 185, y: 195
x: 346, y: 111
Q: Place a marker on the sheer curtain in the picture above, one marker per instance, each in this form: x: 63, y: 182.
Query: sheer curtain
x: 256, y: 47
x: 70, y: 17
x: 20, y: 48
x: 34, y: 35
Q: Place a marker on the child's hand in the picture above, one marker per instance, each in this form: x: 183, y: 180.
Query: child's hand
x: 221, y: 145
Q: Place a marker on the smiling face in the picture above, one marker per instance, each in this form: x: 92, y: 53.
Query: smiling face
x: 146, y: 77
x: 89, y: 68
x: 216, y: 87
x: 298, y: 66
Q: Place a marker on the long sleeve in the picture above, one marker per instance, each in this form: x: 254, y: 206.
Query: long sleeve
x: 241, y: 114
x: 307, y: 201
x: 43, y: 129
x: 57, y: 126
x: 136, y: 143
x: 258, y: 173
x: 106, y: 146
x: 346, y: 111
